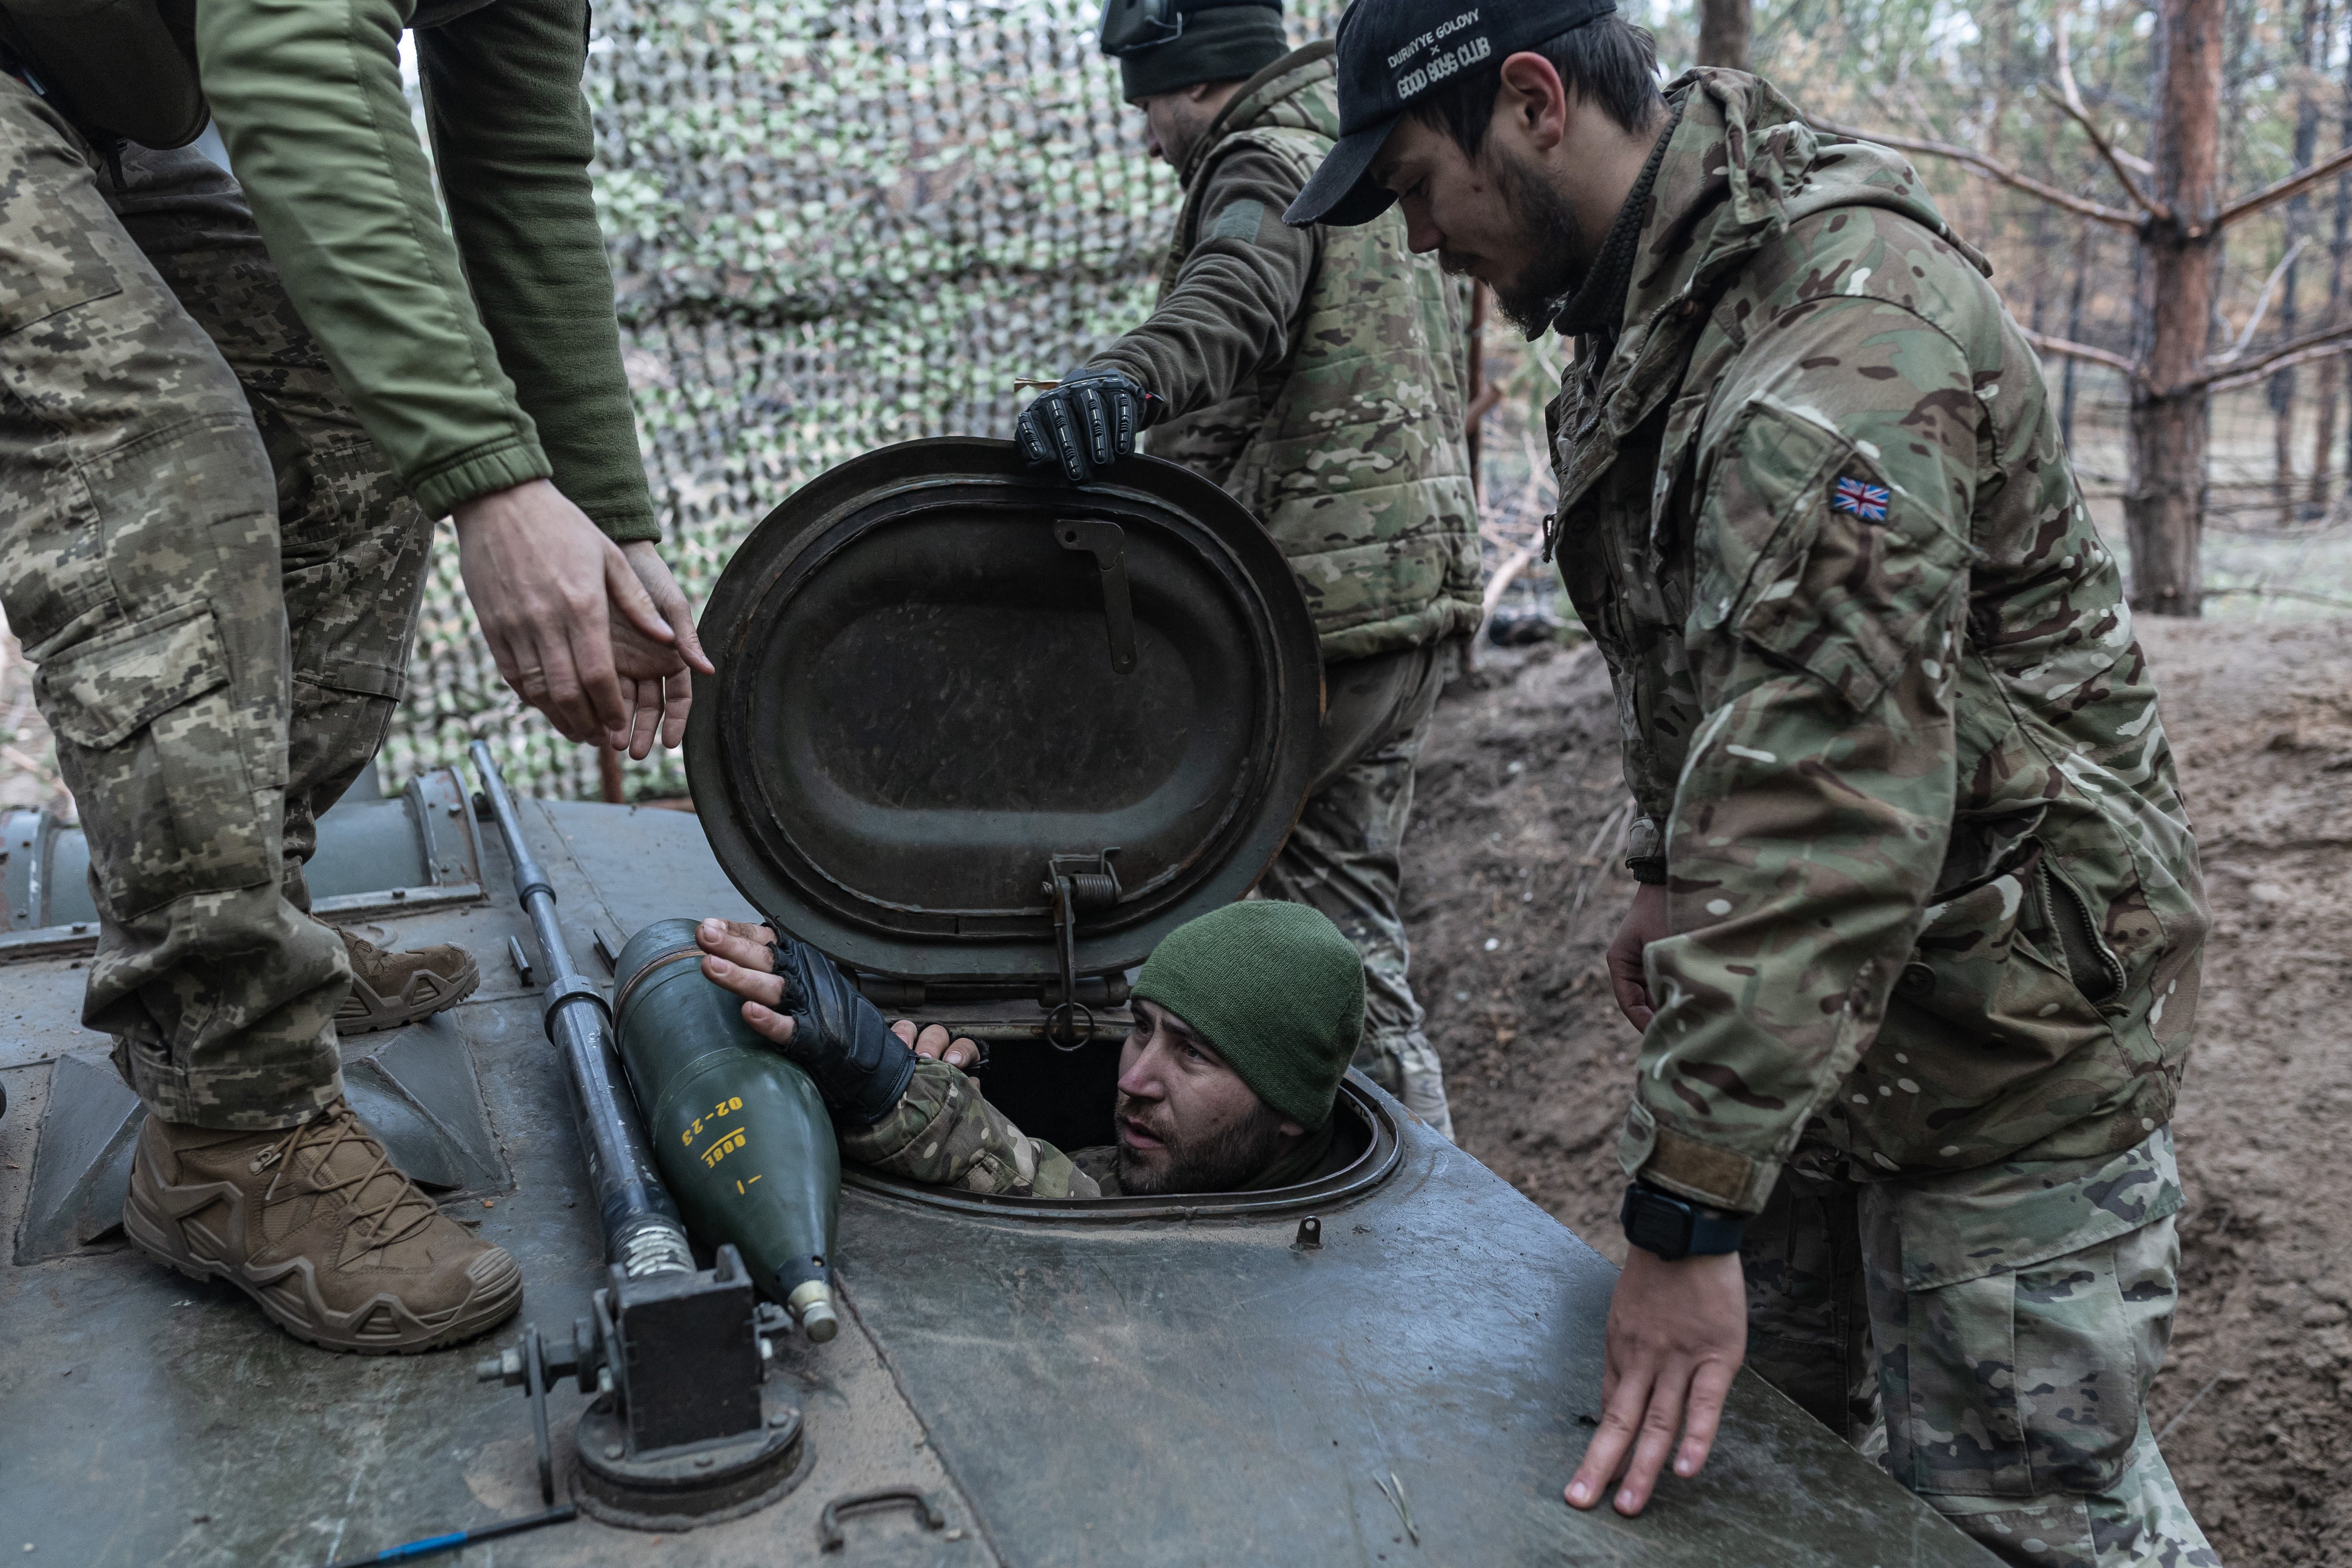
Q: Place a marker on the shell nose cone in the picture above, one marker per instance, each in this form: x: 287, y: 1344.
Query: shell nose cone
x: 819, y: 1323
x: 812, y: 1302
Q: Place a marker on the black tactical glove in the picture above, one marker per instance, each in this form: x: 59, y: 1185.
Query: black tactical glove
x: 1087, y: 424
x: 839, y: 1038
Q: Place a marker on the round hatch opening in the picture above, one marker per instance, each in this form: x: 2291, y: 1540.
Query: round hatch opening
x: 1364, y: 1118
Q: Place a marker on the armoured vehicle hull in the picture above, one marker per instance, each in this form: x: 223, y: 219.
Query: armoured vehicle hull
x: 1132, y: 1386
x: 983, y: 738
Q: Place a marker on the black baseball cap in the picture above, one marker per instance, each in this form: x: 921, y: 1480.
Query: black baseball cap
x: 1393, y: 53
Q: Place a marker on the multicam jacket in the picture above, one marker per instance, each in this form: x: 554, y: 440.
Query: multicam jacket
x: 1933, y: 893
x: 943, y: 1133
x: 1348, y: 447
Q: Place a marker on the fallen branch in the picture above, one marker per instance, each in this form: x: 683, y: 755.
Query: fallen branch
x: 1992, y: 169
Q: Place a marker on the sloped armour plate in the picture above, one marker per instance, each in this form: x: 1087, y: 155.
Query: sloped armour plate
x: 943, y: 677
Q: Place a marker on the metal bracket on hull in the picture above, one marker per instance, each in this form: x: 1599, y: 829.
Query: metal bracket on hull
x: 681, y: 1430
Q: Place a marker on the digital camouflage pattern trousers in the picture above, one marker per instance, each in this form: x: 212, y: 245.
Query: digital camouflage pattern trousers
x: 2008, y: 1323
x: 1341, y: 858
x: 216, y: 577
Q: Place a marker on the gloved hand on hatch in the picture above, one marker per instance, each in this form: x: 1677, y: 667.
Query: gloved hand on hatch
x: 1086, y: 423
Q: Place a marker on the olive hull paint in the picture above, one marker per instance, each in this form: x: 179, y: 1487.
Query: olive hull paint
x: 740, y: 1134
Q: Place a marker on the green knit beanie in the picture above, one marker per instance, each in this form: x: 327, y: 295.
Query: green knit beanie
x: 1231, y: 43
x: 1276, y: 990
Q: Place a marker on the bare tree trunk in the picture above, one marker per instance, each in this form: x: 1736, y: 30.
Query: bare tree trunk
x: 2323, y: 435
x: 2331, y: 369
x: 2165, y: 512
x: 2042, y: 270
x: 2298, y: 224
x: 2074, y: 334
x: 1722, y: 33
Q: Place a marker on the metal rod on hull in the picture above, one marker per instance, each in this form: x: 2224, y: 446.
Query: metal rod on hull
x: 643, y: 1235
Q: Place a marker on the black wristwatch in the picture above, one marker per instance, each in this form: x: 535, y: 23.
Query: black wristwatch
x: 1676, y: 1229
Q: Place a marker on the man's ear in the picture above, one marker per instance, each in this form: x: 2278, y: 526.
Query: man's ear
x: 1531, y: 106
x: 1290, y: 1129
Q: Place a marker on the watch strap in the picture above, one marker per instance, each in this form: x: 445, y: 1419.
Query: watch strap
x: 1673, y: 1227
x: 1714, y: 1232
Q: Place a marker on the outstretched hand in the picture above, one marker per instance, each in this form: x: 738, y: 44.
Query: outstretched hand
x: 1677, y: 1332
x: 657, y: 678
x: 596, y: 638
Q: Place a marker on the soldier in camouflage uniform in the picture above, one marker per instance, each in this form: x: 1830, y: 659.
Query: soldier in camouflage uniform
x: 234, y: 409
x: 1916, y: 951
x: 1315, y: 376
x: 1247, y: 1018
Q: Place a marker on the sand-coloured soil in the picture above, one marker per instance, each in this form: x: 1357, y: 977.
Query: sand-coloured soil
x: 1513, y: 887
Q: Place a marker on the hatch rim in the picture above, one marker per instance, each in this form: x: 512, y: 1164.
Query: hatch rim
x: 1369, y: 1171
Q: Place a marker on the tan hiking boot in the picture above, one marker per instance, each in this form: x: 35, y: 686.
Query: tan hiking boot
x: 318, y: 1226
x: 389, y: 989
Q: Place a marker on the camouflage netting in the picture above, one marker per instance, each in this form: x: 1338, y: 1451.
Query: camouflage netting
x: 833, y: 227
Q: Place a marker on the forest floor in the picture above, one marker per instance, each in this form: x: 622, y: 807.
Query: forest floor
x: 1513, y: 888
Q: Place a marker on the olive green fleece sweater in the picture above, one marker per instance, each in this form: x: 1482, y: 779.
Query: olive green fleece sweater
x: 477, y: 361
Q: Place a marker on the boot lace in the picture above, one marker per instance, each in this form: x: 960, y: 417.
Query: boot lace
x: 399, y: 1213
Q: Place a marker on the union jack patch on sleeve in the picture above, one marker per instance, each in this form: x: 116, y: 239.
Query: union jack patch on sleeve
x: 1867, y: 503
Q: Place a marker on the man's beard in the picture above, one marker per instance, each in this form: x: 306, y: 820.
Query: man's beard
x: 1555, y: 242
x: 1222, y: 1162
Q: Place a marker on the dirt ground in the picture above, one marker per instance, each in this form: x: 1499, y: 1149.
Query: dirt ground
x: 1513, y: 888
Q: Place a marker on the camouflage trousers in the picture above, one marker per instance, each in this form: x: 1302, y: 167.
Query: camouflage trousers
x: 2006, y: 1323
x: 216, y: 577
x: 1341, y: 858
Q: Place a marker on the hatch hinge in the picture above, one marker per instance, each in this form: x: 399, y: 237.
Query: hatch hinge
x: 1076, y: 885
x: 1106, y: 542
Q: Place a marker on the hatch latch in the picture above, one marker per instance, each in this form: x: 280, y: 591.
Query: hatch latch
x: 1106, y: 542
x: 1076, y: 885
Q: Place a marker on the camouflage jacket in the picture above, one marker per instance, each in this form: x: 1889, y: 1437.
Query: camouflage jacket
x: 1934, y: 899
x: 944, y: 1133
x: 1348, y: 447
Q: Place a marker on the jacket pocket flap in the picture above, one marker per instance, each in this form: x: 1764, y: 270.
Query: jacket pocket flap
x: 100, y: 693
x: 2015, y: 1215
x: 1812, y: 555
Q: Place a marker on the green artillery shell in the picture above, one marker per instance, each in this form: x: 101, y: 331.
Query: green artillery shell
x: 740, y: 1133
